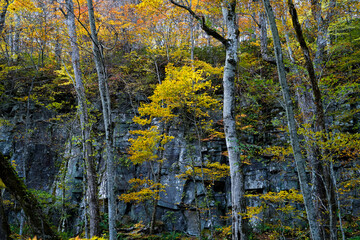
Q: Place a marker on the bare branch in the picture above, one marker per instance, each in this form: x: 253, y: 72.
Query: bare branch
x: 204, y: 26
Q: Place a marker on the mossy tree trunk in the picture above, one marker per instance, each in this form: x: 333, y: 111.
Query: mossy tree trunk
x: 4, y: 225
x: 33, y: 210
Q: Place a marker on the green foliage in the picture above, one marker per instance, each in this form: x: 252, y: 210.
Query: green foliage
x: 340, y: 82
x: 184, y: 93
x: 43, y: 88
x: 43, y: 197
x: 172, y: 235
x: 136, y: 75
x: 352, y: 227
x: 170, y: 216
x: 214, y: 55
x: 5, y: 122
x: 258, y: 92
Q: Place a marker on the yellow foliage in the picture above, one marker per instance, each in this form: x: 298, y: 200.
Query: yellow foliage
x: 19, y: 5
x: 142, y: 190
x: 144, y: 147
x: 349, y: 185
x: 13, y: 164
x: 342, y: 145
x: 251, y: 212
x: 216, y: 134
x: 224, y: 232
x: 212, y: 171
x: 277, y: 152
x: 292, y: 195
x: 93, y: 238
x: 146, y: 4
x: 2, y: 185
x: 282, y: 196
x: 286, y: 209
x: 183, y: 88
x: 245, y: 159
x: 8, y: 203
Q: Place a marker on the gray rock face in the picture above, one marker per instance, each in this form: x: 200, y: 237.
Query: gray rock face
x: 255, y: 179
x: 62, y: 170
x: 54, y: 163
x: 174, y: 189
x: 6, y: 141
x: 191, y: 223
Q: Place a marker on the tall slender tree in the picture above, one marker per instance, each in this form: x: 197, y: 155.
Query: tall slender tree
x: 231, y: 46
x: 106, y: 110
x: 299, y: 160
x: 4, y: 224
x: 324, y: 184
x: 91, y: 177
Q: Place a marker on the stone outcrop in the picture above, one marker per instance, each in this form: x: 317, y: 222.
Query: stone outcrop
x: 54, y: 164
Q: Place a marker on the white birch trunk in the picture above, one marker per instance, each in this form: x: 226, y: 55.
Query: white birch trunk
x: 236, y: 174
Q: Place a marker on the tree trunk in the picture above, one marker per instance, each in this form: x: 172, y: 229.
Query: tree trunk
x: 15, y: 38
x: 4, y: 227
x: 106, y: 109
x: 324, y: 183
x: 157, y: 179
x: 236, y: 174
x: 300, y: 162
x: 264, y: 39
x: 322, y: 30
x: 91, y: 177
x: 28, y: 202
x: 306, y: 105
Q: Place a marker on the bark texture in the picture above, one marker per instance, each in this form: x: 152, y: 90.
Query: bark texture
x: 323, y: 183
x: 30, y: 205
x: 264, y: 39
x: 106, y: 109
x: 4, y: 227
x: 236, y: 174
x: 92, y: 193
x: 322, y: 30
x: 231, y: 45
x: 300, y: 162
